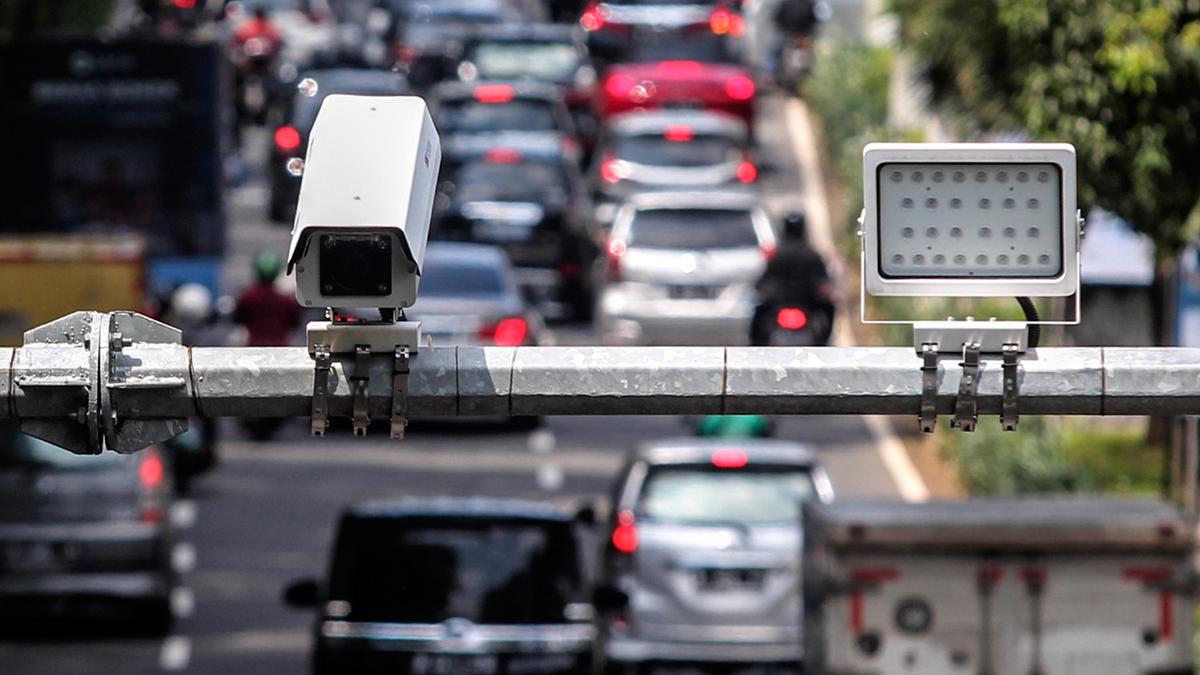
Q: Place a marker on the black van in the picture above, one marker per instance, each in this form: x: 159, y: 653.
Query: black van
x: 452, y: 586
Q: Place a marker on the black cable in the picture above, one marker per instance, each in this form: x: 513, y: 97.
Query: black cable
x: 1031, y: 315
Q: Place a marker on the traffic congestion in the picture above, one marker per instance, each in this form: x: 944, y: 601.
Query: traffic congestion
x: 625, y: 173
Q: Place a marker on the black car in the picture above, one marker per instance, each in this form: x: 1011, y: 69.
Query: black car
x: 530, y: 112
x: 291, y: 138
x: 453, y: 585
x: 83, y: 537
x: 428, y: 36
x: 534, y: 206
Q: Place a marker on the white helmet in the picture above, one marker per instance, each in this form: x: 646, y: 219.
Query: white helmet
x: 191, y: 303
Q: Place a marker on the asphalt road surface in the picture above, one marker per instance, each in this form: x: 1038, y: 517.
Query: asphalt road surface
x: 265, y: 515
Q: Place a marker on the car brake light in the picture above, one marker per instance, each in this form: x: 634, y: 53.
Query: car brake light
x: 406, y: 54
x: 724, y: 22
x: 150, y: 471
x: 625, y: 535
x: 494, y: 93
x: 729, y: 458
x: 616, y: 249
x: 502, y: 156
x: 747, y: 172
x: 619, y: 86
x: 791, y: 318
x: 185, y: 4
x: 509, y: 332
x: 611, y: 170
x: 739, y: 88
x: 287, y: 138
x: 593, y: 17
x: 679, y: 133
x: 768, y: 251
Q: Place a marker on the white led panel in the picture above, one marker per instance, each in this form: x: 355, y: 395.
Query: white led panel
x: 970, y: 219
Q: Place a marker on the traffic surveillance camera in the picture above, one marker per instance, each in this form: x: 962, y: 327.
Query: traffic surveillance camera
x: 970, y: 220
x: 365, y: 201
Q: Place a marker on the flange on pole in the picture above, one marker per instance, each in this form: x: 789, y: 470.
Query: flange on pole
x: 970, y: 220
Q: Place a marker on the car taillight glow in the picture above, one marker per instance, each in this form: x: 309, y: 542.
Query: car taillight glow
x: 185, y: 4
x: 724, y: 22
x: 747, y: 172
x: 406, y: 54
x: 611, y: 170
x: 619, y: 85
x: 593, y: 17
x: 739, y: 88
x: 502, y: 156
x: 509, y: 332
x: 791, y: 318
x: 616, y: 249
x: 679, y: 133
x: 625, y: 535
x: 680, y: 68
x: 494, y: 93
x: 150, y: 471
x: 729, y: 458
x: 768, y: 251
x: 287, y: 138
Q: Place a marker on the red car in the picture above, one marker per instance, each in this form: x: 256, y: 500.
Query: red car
x: 722, y: 87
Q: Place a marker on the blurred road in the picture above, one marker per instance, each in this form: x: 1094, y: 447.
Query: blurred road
x: 266, y: 514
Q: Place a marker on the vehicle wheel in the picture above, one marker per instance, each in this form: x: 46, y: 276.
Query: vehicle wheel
x: 154, y: 618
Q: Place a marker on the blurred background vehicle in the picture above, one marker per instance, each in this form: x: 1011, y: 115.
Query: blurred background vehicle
x: 680, y: 268
x: 615, y: 26
x: 84, y: 537
x: 290, y: 139
x: 533, y: 204
x: 796, y: 298
x: 703, y: 541
x: 519, y: 110
x: 453, y: 585
x: 676, y: 149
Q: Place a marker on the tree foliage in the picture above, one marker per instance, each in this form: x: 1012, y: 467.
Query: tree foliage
x: 1120, y: 79
x: 22, y: 17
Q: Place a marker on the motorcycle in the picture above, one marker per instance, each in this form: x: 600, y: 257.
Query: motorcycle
x: 795, y: 62
x: 257, y: 57
x: 791, y: 326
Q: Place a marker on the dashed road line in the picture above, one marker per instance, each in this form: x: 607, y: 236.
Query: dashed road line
x: 175, y: 653
x: 183, y: 557
x: 183, y: 602
x: 183, y: 514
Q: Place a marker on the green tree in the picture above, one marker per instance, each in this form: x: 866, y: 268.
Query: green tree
x: 1120, y: 79
x: 22, y: 17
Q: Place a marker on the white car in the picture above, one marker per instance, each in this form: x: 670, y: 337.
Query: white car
x: 681, y: 268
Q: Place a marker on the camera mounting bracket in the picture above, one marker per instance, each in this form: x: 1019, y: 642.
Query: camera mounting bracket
x: 398, y: 340
x: 970, y: 339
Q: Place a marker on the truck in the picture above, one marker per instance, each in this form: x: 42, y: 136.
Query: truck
x: 1030, y: 586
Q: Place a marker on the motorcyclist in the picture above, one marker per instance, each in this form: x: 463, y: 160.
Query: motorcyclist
x: 795, y: 276
x: 270, y: 316
x: 794, y: 20
x: 259, y: 25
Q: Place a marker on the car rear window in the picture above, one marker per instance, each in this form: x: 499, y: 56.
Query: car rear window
x: 657, y: 150
x: 539, y: 60
x: 445, y: 277
x: 692, y: 228
x: 18, y: 451
x: 516, y: 115
x: 705, y: 494
x: 534, y: 181
x: 710, y: 49
x: 430, y: 570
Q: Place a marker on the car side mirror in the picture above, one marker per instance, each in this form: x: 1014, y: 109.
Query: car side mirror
x: 301, y: 593
x: 609, y: 599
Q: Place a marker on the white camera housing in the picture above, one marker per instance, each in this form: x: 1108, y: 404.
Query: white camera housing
x: 970, y: 220
x: 366, y: 197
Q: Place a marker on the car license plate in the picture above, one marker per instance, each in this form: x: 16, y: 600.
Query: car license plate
x: 730, y: 580
x: 500, y: 232
x: 454, y: 664
x: 693, y: 292
x: 28, y: 557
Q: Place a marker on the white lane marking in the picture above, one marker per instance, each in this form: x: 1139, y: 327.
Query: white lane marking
x: 895, y: 457
x: 183, y: 514
x: 804, y: 142
x: 183, y: 557
x: 175, y: 653
x: 550, y: 477
x: 183, y: 602
x: 542, y: 441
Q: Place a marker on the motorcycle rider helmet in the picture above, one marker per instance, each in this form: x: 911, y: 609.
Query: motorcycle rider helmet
x: 267, y: 266
x: 795, y: 225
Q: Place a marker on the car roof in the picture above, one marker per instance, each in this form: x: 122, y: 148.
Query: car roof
x: 453, y: 89
x: 466, y: 253
x: 700, y: 450
x: 354, y: 78
x: 529, y: 32
x: 733, y: 200
x: 658, y: 121
x: 536, y: 147
x: 460, y: 507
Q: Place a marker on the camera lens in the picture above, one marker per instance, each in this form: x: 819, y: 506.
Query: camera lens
x: 355, y: 265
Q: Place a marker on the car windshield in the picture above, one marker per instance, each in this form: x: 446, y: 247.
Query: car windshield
x: 657, y: 150
x: 554, y: 61
x: 692, y: 228
x: 517, y: 115
x: 450, y: 277
x: 427, y: 571
x: 530, y: 178
x: 704, y: 494
x: 694, y: 48
x: 20, y: 451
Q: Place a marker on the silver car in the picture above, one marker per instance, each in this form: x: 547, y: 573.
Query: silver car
x: 704, y: 551
x: 681, y: 267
